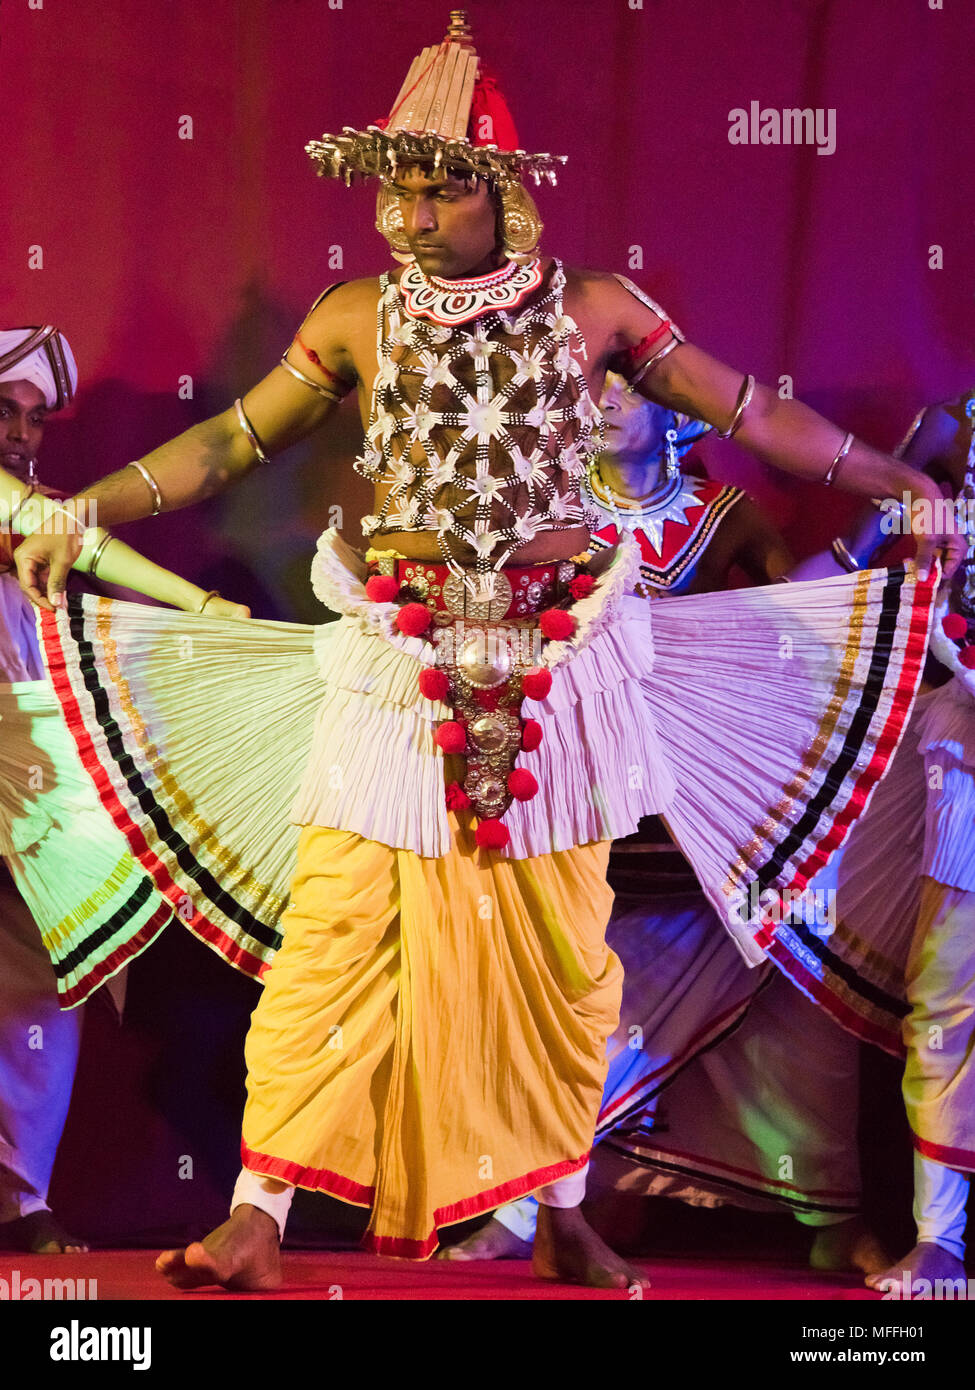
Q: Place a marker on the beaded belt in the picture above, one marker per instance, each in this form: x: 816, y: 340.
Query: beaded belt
x: 520, y: 591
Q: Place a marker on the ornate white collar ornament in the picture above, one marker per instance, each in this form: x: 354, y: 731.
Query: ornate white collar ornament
x: 450, y: 302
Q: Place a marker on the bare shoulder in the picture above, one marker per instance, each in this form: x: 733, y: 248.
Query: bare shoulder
x: 617, y: 312
x: 345, y: 303
x: 602, y: 291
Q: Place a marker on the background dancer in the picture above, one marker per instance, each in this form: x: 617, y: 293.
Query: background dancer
x: 39, y: 1041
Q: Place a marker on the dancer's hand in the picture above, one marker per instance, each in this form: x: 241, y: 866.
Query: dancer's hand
x: 928, y: 508
x: 43, y: 564
x: 223, y: 608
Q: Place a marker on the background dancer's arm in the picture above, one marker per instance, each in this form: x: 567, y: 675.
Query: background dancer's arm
x: 117, y: 563
x: 933, y: 449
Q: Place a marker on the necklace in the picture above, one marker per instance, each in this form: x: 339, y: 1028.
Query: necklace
x: 679, y: 496
x: 450, y: 302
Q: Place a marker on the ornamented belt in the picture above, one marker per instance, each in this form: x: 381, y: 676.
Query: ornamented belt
x: 519, y: 590
x: 488, y: 660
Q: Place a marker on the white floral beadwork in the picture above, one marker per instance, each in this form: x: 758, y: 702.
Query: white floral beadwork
x: 474, y: 439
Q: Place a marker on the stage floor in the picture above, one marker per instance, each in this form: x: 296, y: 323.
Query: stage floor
x: 129, y: 1274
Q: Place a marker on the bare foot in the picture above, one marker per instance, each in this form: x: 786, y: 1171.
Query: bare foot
x: 568, y: 1251
x: 849, y: 1245
x: 492, y: 1242
x: 926, y: 1261
x: 40, y: 1233
x: 243, y: 1253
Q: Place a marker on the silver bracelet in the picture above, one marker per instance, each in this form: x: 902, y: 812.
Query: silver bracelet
x: 654, y: 361
x: 250, y: 432
x: 307, y: 381
x: 153, y: 485
x: 31, y: 489
x: 96, y: 557
x: 841, y: 454
x: 843, y: 557
x: 744, y: 399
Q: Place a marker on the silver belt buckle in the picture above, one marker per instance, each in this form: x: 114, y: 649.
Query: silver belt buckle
x: 463, y: 604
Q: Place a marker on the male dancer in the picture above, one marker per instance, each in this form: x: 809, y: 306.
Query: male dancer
x: 479, y: 424
x: 38, y: 1041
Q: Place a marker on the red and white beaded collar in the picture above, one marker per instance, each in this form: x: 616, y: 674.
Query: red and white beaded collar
x: 450, y: 302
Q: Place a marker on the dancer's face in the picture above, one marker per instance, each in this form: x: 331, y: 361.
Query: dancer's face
x: 451, y: 225
x: 635, y: 427
x: 23, y: 412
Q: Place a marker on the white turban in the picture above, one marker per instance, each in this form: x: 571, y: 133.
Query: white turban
x: 41, y: 356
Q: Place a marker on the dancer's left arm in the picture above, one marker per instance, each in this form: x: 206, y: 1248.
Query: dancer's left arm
x: 784, y: 433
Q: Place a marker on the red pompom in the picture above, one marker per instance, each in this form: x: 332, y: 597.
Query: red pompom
x: 955, y: 627
x: 557, y: 624
x: 582, y: 586
x: 531, y: 735
x: 492, y: 834
x: 451, y: 736
x: 413, y: 619
x: 536, y: 683
x: 382, y: 588
x: 457, y: 798
x: 521, y: 784
x: 967, y: 658
x: 434, y: 684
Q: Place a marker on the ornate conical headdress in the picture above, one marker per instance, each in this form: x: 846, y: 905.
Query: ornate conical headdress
x: 448, y: 113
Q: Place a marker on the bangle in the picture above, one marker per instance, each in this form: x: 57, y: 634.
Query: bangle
x: 31, y: 489
x: 744, y: 398
x: 630, y: 356
x: 654, y: 361
x: 97, y: 555
x: 250, y: 432
x: 152, y: 484
x: 841, y: 454
x: 307, y: 381
x: 214, y: 593
x: 843, y: 557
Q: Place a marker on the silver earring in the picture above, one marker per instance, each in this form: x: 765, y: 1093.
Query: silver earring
x: 673, y: 462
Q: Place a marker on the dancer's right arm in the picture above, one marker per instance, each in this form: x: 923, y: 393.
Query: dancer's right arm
x: 212, y: 455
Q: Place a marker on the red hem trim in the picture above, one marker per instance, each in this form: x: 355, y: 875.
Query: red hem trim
x: 402, y: 1247
x: 696, y: 1043
x: 902, y: 703
x: 821, y: 994
x: 315, y: 1179
x: 79, y: 992
x: 199, y: 924
x: 945, y: 1154
x: 758, y: 1179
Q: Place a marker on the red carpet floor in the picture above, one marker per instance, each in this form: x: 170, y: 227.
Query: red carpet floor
x: 129, y: 1274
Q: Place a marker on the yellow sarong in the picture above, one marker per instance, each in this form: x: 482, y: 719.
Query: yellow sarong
x: 430, y: 1041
